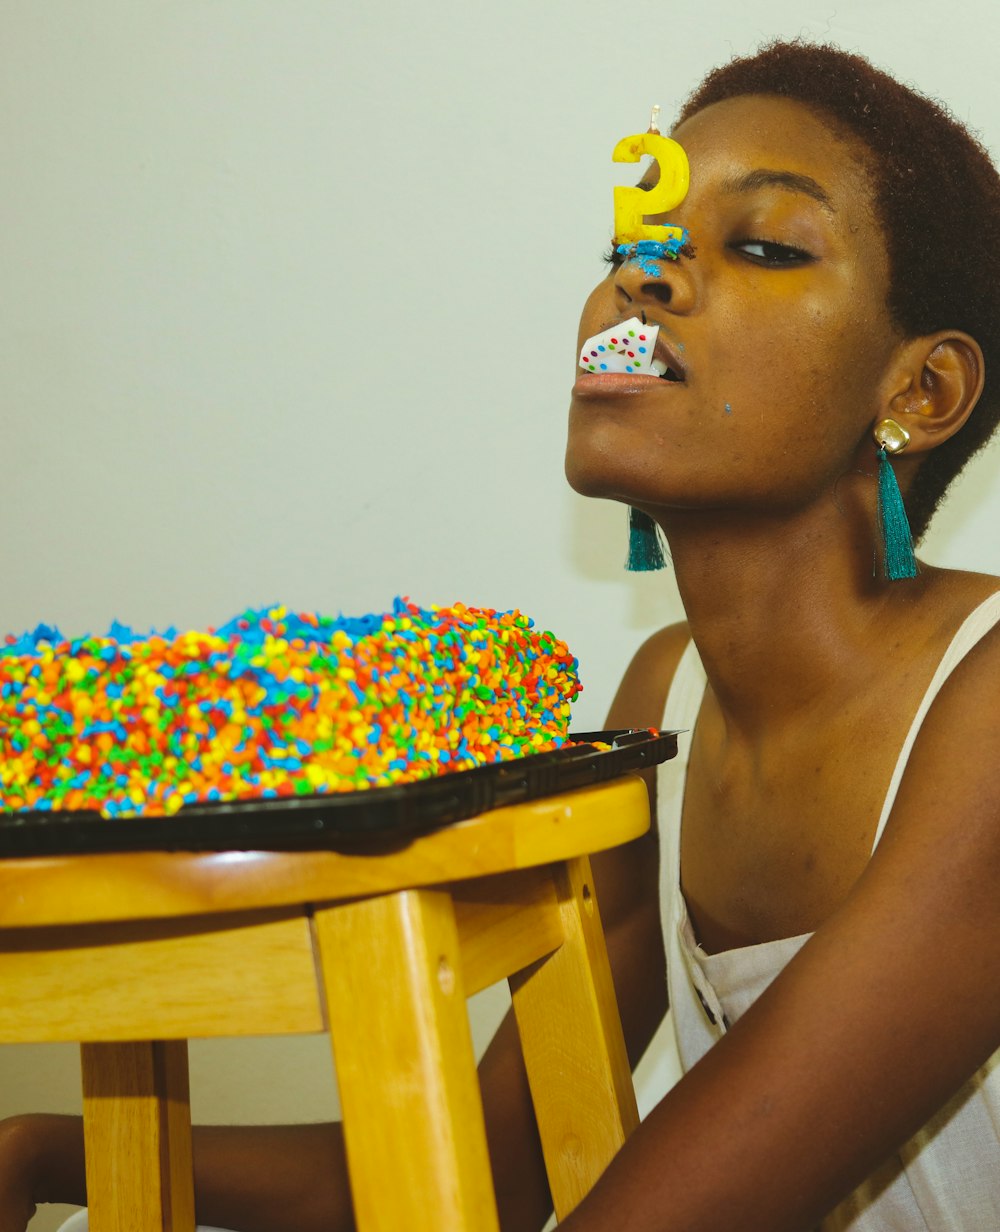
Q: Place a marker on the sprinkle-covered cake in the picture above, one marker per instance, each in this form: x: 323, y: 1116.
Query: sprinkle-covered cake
x: 274, y: 704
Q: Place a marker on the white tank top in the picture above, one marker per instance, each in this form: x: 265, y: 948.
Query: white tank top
x: 947, y: 1177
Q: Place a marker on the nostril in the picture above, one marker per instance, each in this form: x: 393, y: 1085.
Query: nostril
x: 659, y: 291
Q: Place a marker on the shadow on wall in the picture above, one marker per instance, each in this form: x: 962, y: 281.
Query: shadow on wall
x: 597, y: 548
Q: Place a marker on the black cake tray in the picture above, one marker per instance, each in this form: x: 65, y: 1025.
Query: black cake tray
x: 381, y: 817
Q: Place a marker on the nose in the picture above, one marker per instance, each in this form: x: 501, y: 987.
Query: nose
x: 641, y: 282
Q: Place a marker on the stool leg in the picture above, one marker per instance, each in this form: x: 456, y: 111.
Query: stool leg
x: 574, y: 1050
x: 137, y: 1134
x: 413, y: 1113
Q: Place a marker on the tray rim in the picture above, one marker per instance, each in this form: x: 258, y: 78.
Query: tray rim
x: 342, y: 820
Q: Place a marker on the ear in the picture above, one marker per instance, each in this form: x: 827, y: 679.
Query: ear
x: 935, y: 384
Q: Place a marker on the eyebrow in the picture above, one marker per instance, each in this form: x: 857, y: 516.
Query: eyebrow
x: 750, y: 181
x: 791, y: 181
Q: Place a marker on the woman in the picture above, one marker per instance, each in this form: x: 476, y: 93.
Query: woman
x: 829, y: 1003
x: 826, y: 297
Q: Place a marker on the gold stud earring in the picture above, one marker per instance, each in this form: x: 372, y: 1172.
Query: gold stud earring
x: 890, y: 436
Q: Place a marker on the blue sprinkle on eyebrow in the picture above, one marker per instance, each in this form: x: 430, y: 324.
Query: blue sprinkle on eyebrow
x: 647, y: 252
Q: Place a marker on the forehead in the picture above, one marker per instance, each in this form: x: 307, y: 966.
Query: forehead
x: 728, y: 139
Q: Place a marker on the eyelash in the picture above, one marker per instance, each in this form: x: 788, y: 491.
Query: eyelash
x: 610, y: 255
x: 781, y: 255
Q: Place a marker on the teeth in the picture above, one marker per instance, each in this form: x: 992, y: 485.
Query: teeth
x: 659, y: 367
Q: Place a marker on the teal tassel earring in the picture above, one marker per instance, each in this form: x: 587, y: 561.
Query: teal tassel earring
x: 898, y: 560
x: 645, y: 552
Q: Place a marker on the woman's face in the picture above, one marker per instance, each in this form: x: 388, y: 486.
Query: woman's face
x: 780, y: 323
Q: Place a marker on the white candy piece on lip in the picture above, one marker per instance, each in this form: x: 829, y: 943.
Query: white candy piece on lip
x: 623, y: 348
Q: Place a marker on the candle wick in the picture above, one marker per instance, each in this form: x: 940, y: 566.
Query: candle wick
x: 654, y: 120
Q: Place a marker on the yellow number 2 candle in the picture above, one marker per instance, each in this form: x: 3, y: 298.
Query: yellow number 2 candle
x: 632, y: 204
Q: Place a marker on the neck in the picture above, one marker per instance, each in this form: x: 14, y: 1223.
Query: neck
x: 784, y: 611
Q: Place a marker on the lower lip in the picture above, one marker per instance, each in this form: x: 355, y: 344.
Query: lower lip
x: 600, y: 384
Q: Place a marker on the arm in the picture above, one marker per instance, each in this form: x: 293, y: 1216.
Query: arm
x: 281, y: 1178
x: 880, y: 1018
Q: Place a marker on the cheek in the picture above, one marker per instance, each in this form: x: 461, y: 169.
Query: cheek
x: 789, y: 398
x: 805, y: 358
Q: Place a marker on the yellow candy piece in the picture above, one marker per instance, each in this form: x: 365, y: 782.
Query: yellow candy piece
x: 632, y: 204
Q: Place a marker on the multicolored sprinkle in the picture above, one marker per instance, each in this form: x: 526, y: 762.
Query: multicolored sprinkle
x: 627, y: 347
x: 274, y: 704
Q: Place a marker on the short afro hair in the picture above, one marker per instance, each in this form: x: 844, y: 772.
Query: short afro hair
x: 937, y: 198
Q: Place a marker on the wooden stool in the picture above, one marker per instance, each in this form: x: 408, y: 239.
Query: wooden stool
x: 135, y: 954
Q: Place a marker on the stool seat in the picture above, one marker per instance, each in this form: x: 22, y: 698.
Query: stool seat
x: 133, y: 954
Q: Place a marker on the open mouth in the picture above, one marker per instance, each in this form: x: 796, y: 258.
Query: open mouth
x: 665, y: 362
x: 633, y: 347
x: 664, y: 371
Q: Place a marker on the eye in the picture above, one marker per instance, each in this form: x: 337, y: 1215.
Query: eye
x: 769, y: 253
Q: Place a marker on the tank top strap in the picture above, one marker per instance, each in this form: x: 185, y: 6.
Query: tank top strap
x: 969, y: 633
x: 679, y: 714
x: 686, y: 689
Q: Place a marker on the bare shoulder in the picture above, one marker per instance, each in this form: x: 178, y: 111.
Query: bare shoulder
x: 951, y: 773
x: 642, y: 694
x: 628, y: 877
x: 957, y: 749
x: 957, y: 731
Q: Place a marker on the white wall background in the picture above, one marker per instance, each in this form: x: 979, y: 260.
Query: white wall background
x: 288, y: 295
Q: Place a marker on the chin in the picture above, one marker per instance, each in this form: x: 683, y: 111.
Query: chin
x: 596, y: 464
x: 609, y: 457
x: 587, y: 476
x: 600, y: 482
